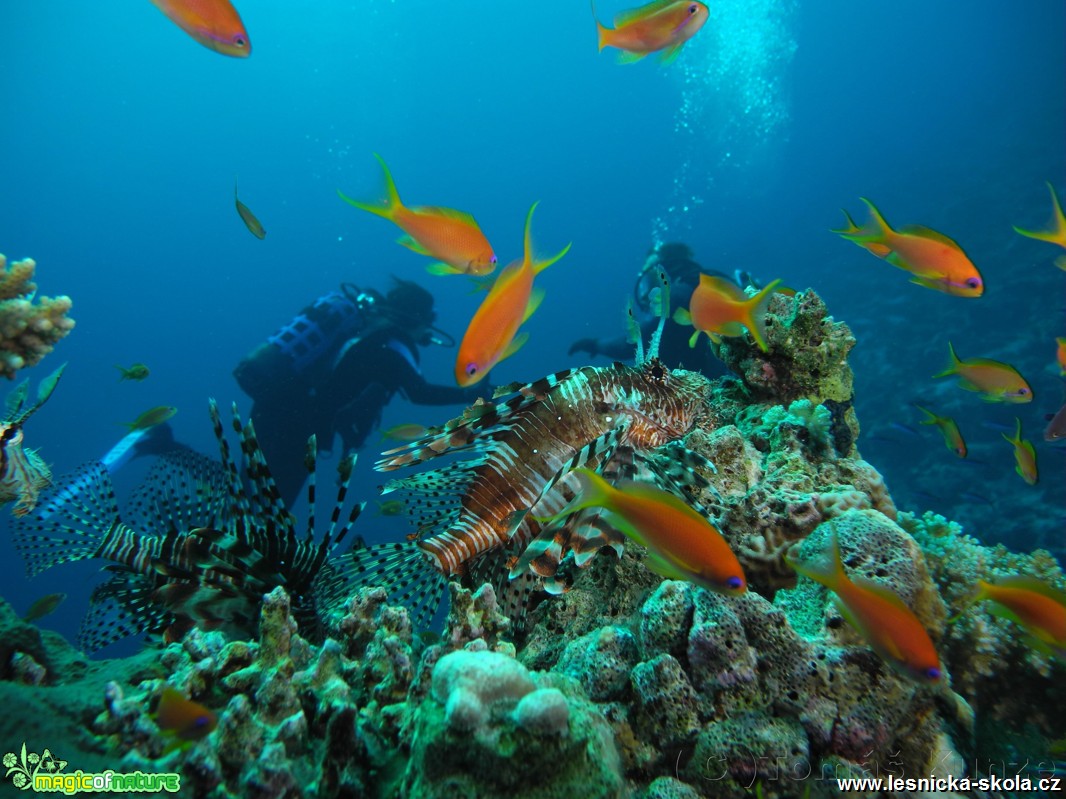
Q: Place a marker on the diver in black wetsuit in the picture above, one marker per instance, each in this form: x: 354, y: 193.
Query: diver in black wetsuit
x: 335, y: 367
x: 684, y: 275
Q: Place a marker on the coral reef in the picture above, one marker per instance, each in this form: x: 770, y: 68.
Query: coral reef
x: 626, y: 685
x: 29, y: 326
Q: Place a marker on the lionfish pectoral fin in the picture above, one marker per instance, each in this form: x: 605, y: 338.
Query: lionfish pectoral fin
x: 514, y: 521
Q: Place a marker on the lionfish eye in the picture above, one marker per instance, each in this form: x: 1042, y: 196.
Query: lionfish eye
x: 471, y: 369
x: 657, y: 371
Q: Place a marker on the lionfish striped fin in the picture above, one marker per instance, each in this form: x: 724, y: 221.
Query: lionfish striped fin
x: 71, y: 522
x: 479, y: 427
x: 400, y: 568
x: 121, y: 607
x: 183, y: 490
x: 680, y: 470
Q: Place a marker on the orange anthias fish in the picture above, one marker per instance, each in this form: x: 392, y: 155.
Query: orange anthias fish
x: 1056, y: 232
x: 934, y: 260
x: 1033, y: 604
x: 185, y: 718
x: 996, y: 381
x: 1024, y: 456
x: 681, y: 544
x: 491, y: 334
x: 720, y: 308
x: 661, y: 25
x: 952, y: 437
x: 889, y: 626
x: 213, y: 23
x: 452, y: 237
x: 1060, y: 355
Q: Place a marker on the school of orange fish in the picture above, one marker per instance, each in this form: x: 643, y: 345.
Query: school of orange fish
x: 681, y: 543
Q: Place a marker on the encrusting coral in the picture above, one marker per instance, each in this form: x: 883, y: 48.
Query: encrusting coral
x: 29, y: 326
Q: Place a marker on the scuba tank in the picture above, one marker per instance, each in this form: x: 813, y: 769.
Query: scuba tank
x: 290, y: 356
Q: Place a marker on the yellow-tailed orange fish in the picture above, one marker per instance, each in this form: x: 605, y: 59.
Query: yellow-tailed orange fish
x: 1060, y: 355
x: 995, y: 381
x: 491, y: 334
x: 889, y: 626
x: 254, y: 226
x: 1033, y: 604
x: 213, y: 23
x: 934, y: 260
x: 1056, y: 232
x: 681, y: 544
x: 952, y: 437
x: 452, y: 237
x: 663, y: 25
x: 720, y: 308
x: 183, y: 717
x: 136, y: 372
x: 1024, y: 455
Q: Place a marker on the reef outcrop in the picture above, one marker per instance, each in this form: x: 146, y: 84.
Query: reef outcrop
x: 29, y: 326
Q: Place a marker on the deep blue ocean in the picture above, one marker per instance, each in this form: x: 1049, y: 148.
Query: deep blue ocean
x: 121, y: 138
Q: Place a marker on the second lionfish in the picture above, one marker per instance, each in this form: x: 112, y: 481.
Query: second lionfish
x: 200, y: 543
x: 479, y: 518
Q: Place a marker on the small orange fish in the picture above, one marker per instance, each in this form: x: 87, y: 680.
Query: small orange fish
x: 890, y: 627
x: 1033, y: 604
x: 952, y: 437
x: 254, y: 226
x: 681, y: 544
x: 720, y: 308
x: 213, y: 23
x: 1060, y: 355
x: 661, y: 25
x: 183, y: 717
x: 452, y: 237
x: 1056, y: 232
x: 1024, y: 455
x: 934, y: 260
x: 491, y: 334
x: 996, y: 381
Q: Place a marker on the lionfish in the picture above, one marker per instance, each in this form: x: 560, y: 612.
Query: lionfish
x: 23, y: 474
x: 201, y: 543
x: 480, y: 518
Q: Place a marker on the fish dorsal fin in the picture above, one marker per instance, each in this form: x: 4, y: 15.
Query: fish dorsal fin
x: 926, y: 233
x: 447, y: 213
x: 722, y: 286
x: 882, y: 593
x: 637, y: 14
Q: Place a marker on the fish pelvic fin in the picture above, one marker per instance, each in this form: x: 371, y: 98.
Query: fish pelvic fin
x: 755, y: 314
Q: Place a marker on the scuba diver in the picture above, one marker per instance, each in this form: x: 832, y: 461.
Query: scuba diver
x: 684, y: 275
x: 333, y: 369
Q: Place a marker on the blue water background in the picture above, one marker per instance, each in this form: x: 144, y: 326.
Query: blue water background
x: 121, y: 138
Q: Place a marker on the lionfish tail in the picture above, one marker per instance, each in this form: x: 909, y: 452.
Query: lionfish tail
x: 71, y: 522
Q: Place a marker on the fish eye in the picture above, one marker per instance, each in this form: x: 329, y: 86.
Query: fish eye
x: 932, y: 673
x: 1023, y: 391
x: 239, y: 40
x: 735, y: 583
x: 492, y: 260
x: 692, y: 9
x: 471, y: 369
x: 973, y: 283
